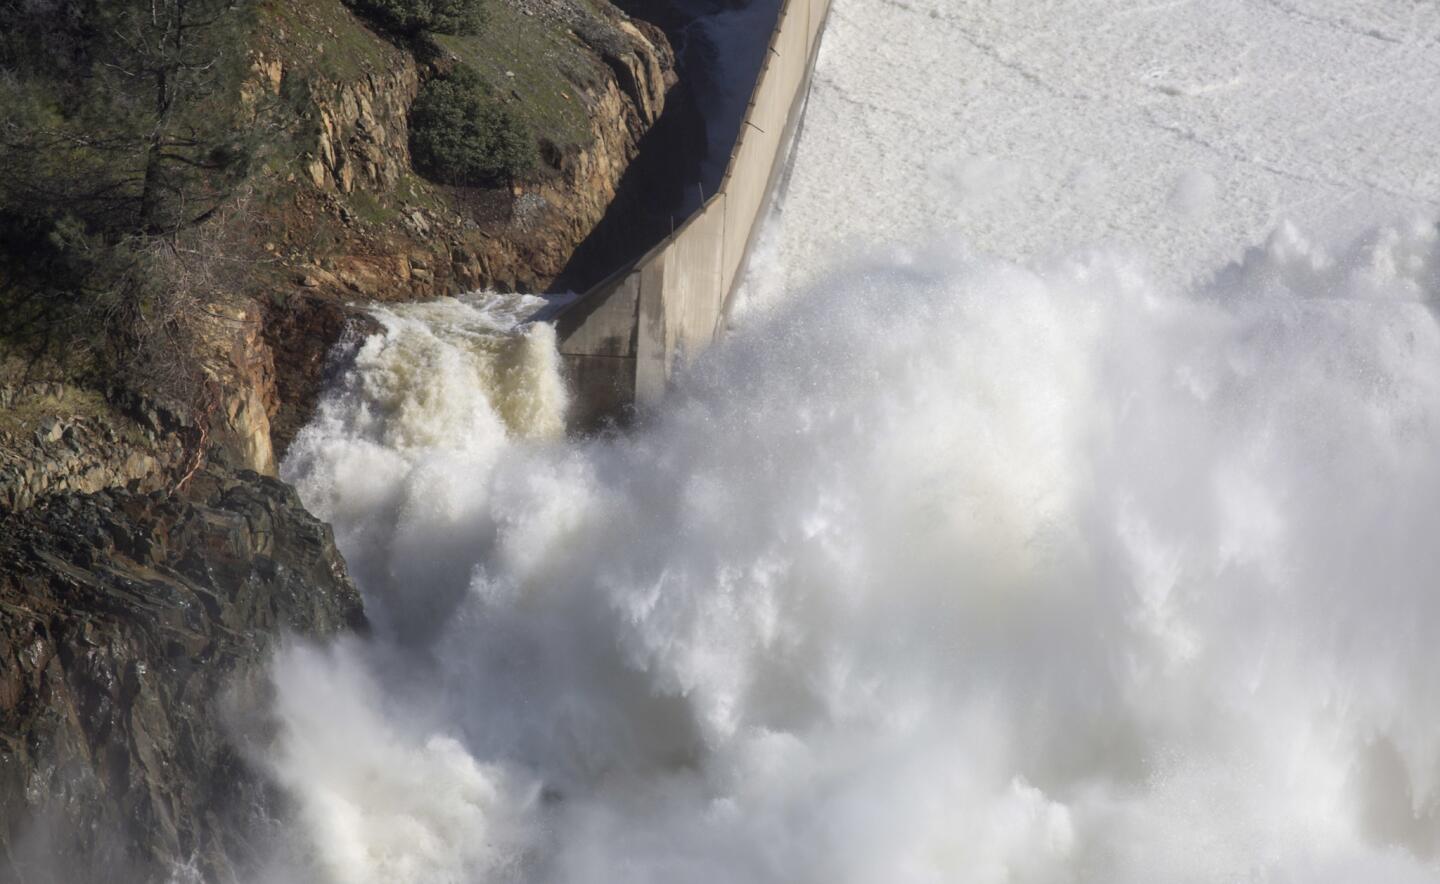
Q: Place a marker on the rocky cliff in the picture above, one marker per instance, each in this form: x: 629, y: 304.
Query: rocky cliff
x: 324, y: 210
x: 151, y: 377
x: 358, y: 220
x: 134, y: 630
x: 346, y: 219
x: 56, y: 438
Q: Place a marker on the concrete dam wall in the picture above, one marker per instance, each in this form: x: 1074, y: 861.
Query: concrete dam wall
x: 622, y: 340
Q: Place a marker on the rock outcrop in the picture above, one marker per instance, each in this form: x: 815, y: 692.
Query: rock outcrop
x: 132, y: 632
x: 425, y: 240
x: 81, y: 443
x: 147, y: 565
x: 363, y: 139
x: 550, y: 218
x: 349, y: 221
x: 302, y: 368
x: 241, y: 368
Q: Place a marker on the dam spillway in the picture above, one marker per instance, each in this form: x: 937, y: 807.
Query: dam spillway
x: 1060, y: 506
x: 623, y: 339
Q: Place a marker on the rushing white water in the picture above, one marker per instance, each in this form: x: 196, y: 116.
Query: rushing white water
x: 1180, y: 132
x: 941, y: 568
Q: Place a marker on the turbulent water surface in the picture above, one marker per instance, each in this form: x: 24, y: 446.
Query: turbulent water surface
x: 1063, y: 505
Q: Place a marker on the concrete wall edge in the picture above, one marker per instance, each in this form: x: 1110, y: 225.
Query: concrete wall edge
x: 674, y: 299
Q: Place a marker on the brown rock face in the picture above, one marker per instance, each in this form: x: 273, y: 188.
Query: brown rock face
x: 135, y: 619
x: 302, y: 335
x: 518, y: 238
x: 67, y: 440
x: 364, y: 139
x: 237, y: 426
x: 354, y: 223
x: 133, y: 630
x: 551, y: 218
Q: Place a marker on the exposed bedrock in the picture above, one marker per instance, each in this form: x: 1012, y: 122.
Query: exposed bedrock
x: 134, y: 632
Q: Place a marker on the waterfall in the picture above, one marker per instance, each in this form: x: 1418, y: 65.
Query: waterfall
x: 988, y: 546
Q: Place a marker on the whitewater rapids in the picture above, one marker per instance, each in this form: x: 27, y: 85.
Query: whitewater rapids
x: 1093, y: 543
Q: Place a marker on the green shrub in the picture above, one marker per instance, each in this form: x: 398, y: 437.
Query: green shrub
x: 459, y: 134
x: 414, y: 16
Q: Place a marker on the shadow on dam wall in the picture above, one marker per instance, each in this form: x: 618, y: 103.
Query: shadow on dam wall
x: 622, y: 340
x: 720, y: 46
x: 648, y: 198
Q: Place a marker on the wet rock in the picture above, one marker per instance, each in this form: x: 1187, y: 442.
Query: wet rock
x: 303, y: 334
x: 134, y: 629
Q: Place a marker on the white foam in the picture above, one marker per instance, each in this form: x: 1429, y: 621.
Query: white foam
x: 1055, y: 574
x: 957, y: 561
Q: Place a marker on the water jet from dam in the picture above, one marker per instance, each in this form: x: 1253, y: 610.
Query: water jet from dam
x: 1060, y: 505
